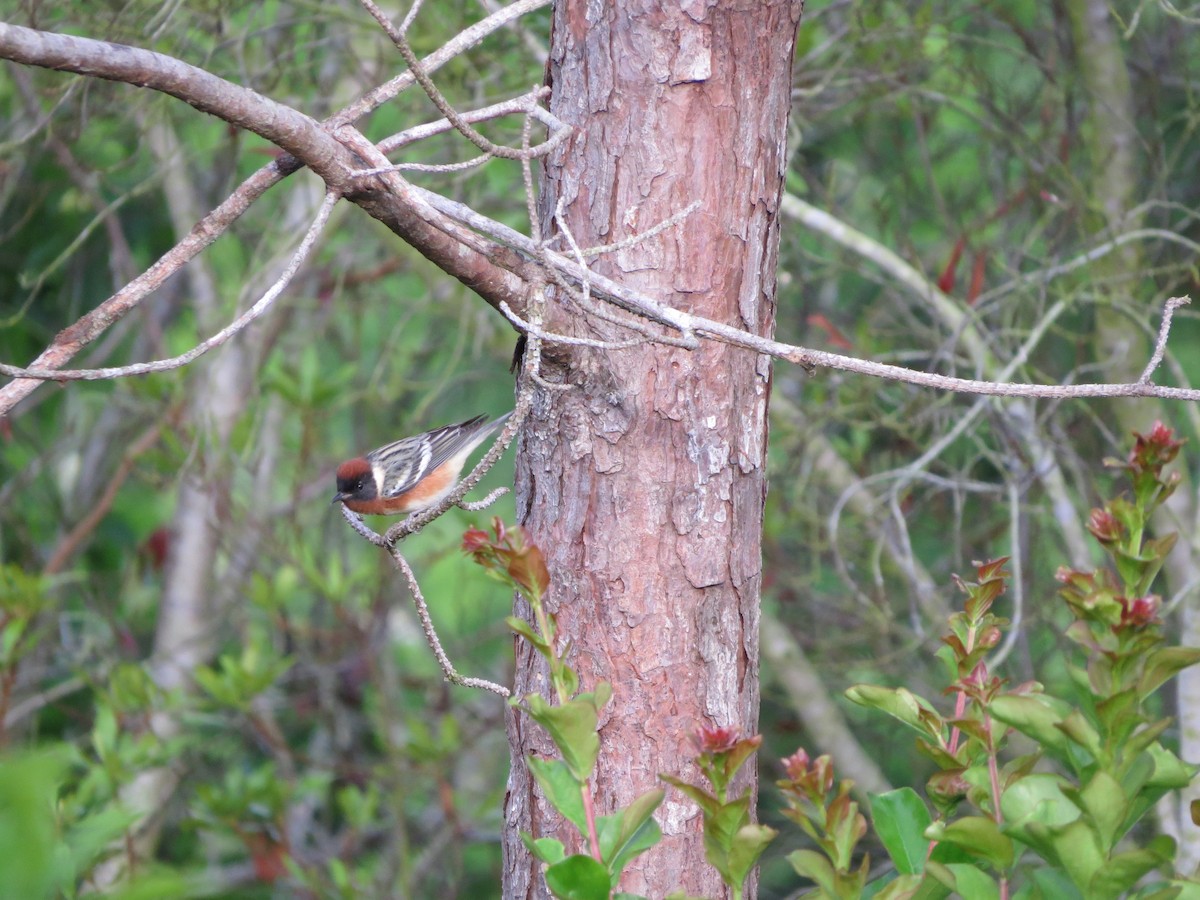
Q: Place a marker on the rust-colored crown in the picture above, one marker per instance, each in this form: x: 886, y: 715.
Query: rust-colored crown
x: 353, y: 468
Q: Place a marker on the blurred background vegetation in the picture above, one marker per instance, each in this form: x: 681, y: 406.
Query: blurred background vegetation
x: 320, y: 749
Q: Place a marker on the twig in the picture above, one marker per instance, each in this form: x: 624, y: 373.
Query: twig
x: 94, y: 323
x: 1160, y: 344
x: 379, y: 540
x: 463, y: 127
x: 85, y: 526
x: 635, y: 239
x: 222, y: 336
x: 649, y: 308
x: 526, y: 103
x: 427, y: 167
x: 451, y: 674
x: 38, y: 701
x: 419, y: 520
x: 88, y: 327
x: 535, y: 331
x: 357, y: 523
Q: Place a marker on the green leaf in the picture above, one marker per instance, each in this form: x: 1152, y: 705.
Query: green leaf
x: 702, y: 798
x: 1122, y: 871
x: 1048, y: 883
x: 900, y: 820
x: 814, y: 866
x: 572, y: 727
x: 747, y: 846
x: 562, y: 789
x: 904, y: 887
x: 28, y: 787
x: 578, y: 877
x: 525, y: 630
x: 1077, y: 848
x: 629, y: 832
x: 969, y: 881
x: 89, y: 839
x: 1080, y: 730
x: 1104, y: 800
x: 548, y: 850
x: 724, y: 823
x: 913, y: 711
x: 1034, y: 806
x: 979, y: 836
x: 1163, y: 664
x: 1170, y: 772
x: 1036, y: 716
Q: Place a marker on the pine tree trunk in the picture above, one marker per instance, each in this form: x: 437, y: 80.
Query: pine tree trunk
x: 644, y: 482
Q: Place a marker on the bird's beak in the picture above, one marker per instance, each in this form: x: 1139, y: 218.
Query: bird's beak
x: 337, y: 497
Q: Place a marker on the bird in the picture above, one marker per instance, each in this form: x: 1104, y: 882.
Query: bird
x: 411, y: 474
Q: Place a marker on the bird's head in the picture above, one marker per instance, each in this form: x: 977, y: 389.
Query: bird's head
x: 355, y: 481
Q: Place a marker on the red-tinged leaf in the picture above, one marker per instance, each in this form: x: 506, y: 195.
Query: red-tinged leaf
x: 718, y: 739
x: 832, y: 335
x: 945, y: 281
x: 993, y: 568
x: 978, y: 269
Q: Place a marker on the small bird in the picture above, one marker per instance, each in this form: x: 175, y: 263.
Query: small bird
x: 414, y: 473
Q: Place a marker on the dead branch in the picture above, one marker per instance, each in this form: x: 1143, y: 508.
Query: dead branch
x: 165, y: 365
x: 72, y: 339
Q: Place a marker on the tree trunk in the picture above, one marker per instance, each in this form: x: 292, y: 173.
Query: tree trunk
x: 643, y: 483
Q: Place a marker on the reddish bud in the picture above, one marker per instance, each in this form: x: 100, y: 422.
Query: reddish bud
x: 157, y: 546
x: 1154, y: 450
x: 1105, y: 526
x: 715, y: 740
x: 1139, y: 612
x: 796, y: 765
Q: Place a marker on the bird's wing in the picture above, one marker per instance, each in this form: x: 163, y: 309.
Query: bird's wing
x: 407, y: 461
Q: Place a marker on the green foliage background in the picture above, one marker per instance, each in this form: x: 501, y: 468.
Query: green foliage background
x: 324, y: 725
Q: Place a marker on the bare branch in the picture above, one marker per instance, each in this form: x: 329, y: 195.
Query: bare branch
x: 237, y: 325
x: 295, y: 132
x: 419, y: 520
x: 463, y: 41
x: 1160, y: 344
x: 418, y: 70
x: 75, y: 337
x: 523, y: 104
x: 94, y: 323
x: 492, y: 271
x: 646, y: 306
x: 451, y: 674
x: 536, y: 331
x: 75, y: 538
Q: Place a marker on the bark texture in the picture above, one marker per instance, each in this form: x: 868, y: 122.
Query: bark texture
x: 644, y: 482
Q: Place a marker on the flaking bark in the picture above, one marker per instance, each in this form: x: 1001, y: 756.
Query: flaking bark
x: 644, y: 483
